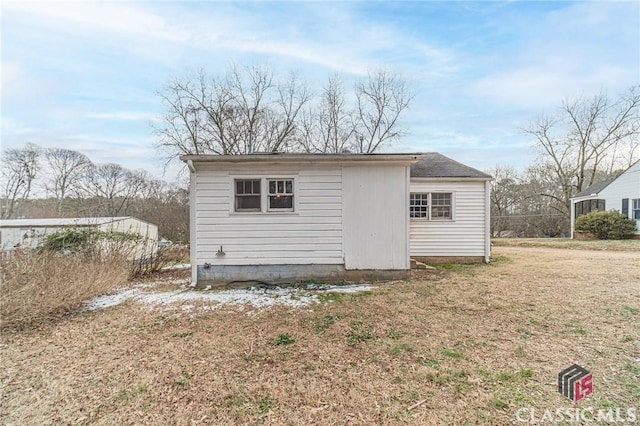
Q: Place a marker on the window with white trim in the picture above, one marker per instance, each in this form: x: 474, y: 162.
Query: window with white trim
x: 636, y: 209
x: 418, y: 205
x: 280, y: 194
x: 441, y: 207
x: 247, y: 195
x: 431, y: 205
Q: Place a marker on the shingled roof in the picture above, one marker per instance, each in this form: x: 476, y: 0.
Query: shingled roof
x: 595, y: 188
x: 437, y: 165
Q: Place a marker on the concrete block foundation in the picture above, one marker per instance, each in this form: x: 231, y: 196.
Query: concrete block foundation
x: 240, y: 275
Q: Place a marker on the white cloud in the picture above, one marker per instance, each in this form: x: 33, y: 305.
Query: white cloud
x: 122, y: 116
x: 576, y: 50
x: 124, y: 19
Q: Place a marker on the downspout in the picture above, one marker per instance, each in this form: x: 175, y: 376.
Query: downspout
x: 573, y: 219
x: 192, y: 223
x: 407, y: 217
x: 487, y: 221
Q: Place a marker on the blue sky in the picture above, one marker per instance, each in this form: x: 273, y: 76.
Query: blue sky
x: 85, y: 75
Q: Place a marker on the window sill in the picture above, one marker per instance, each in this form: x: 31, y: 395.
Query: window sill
x: 266, y: 213
x: 424, y: 219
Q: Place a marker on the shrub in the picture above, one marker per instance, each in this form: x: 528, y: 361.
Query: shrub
x: 78, y: 240
x: 91, y: 242
x: 41, y: 285
x: 607, y: 225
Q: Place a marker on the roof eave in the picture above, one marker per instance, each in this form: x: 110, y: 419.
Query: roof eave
x: 452, y: 178
x: 404, y: 158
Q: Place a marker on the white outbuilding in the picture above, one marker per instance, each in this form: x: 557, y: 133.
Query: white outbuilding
x: 29, y: 233
x: 287, y: 217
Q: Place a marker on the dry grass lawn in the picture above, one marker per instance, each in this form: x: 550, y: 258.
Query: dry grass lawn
x: 566, y: 243
x: 459, y: 345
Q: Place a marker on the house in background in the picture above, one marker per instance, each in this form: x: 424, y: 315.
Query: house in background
x: 621, y: 194
x: 29, y: 233
x: 450, y: 211
x: 287, y: 217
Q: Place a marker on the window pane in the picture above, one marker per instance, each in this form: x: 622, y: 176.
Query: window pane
x: 247, y: 186
x: 440, y: 213
x: 281, y: 202
x: 272, y: 187
x: 280, y: 187
x: 441, y: 199
x: 248, y: 202
x: 289, y: 187
x: 418, y: 212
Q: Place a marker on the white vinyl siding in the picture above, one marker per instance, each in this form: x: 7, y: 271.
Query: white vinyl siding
x: 464, y: 235
x: 310, y: 234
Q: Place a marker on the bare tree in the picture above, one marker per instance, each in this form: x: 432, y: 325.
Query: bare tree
x: 249, y: 109
x: 66, y: 169
x: 224, y: 115
x: 114, y: 186
x: 18, y: 170
x: 505, y: 198
x: 336, y: 121
x: 381, y: 99
x: 588, y: 136
x: 330, y: 127
x: 182, y: 121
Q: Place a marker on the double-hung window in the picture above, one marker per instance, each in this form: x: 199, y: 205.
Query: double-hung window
x: 636, y: 209
x: 441, y: 206
x: 431, y: 205
x: 280, y: 194
x: 419, y: 205
x: 248, y: 198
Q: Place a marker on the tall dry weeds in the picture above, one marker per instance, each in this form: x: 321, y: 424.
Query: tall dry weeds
x: 39, y: 286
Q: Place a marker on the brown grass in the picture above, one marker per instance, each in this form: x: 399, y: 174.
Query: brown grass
x: 176, y: 253
x: 466, y: 345
x: 40, y: 286
x: 566, y: 243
